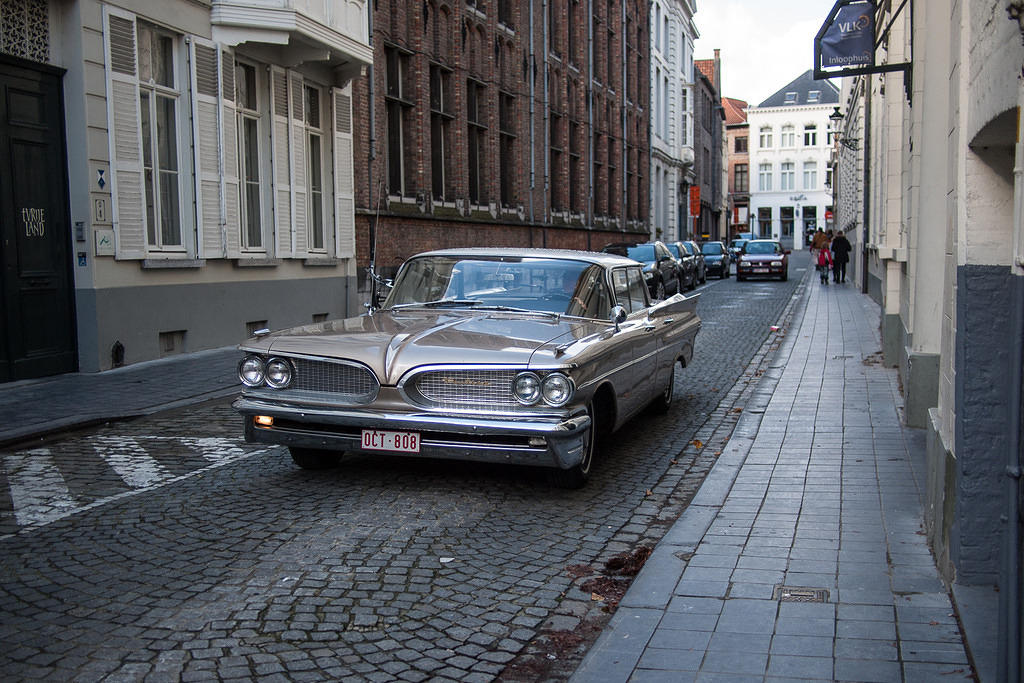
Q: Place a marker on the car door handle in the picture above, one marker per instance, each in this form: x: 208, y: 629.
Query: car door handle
x: 669, y: 321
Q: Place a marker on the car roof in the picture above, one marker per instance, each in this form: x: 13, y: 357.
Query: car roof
x: 764, y: 240
x: 607, y: 260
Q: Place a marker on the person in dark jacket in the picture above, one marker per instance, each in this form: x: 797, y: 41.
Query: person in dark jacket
x: 840, y: 257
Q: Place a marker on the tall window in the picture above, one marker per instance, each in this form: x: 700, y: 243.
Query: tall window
x: 787, y: 176
x: 575, y: 167
x: 788, y: 137
x: 740, y: 175
x: 684, y: 107
x: 441, y: 117
x: 399, y: 113
x: 248, y: 114
x: 158, y: 104
x: 741, y: 145
x: 765, y: 140
x: 810, y: 135
x: 477, y: 131
x: 506, y: 146
x: 764, y: 177
x: 315, y: 172
x: 505, y: 12
x: 555, y: 152
x: 810, y: 175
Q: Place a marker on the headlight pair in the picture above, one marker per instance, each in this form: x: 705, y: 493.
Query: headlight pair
x: 554, y: 389
x: 276, y: 373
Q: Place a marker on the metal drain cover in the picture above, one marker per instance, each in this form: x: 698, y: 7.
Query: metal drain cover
x: 800, y: 594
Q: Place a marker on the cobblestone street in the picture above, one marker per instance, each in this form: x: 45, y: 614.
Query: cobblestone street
x: 166, y: 548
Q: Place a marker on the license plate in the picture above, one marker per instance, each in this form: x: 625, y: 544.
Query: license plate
x: 401, y: 442
x: 760, y: 270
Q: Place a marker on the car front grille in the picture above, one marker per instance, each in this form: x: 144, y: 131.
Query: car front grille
x: 349, y: 380
x: 479, y: 390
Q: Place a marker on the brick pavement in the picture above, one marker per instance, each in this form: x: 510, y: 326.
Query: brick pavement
x: 802, y: 556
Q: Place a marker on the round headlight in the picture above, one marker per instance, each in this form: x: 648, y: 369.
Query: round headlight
x: 556, y: 389
x: 251, y: 371
x: 279, y: 373
x: 526, y: 388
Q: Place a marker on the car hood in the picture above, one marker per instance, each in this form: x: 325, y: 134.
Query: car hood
x: 759, y: 258
x: 392, y: 342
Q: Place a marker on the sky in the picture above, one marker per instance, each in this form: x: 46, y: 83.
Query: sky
x: 764, y: 44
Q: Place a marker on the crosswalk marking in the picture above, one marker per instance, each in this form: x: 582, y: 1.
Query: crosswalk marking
x: 132, y: 463
x: 40, y: 495
x: 38, y: 491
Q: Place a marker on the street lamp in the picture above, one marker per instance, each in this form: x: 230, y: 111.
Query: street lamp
x: 836, y: 117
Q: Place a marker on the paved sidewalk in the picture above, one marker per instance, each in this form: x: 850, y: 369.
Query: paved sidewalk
x: 802, y: 556
x: 34, y: 408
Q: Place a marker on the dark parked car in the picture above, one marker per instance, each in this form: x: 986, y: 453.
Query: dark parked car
x: 700, y: 268
x: 523, y: 356
x: 716, y: 258
x: 687, y: 261
x: 736, y: 247
x: 662, y: 271
x: 763, y: 258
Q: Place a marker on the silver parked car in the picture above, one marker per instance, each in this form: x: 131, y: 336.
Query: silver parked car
x: 498, y: 355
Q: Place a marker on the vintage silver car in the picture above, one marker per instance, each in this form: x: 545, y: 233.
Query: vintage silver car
x: 522, y: 356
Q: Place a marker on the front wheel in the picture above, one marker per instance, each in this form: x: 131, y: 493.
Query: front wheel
x: 314, y: 459
x: 576, y: 476
x: 659, y: 291
x: 785, y: 276
x: 663, y: 401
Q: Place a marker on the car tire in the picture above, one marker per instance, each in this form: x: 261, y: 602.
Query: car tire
x: 663, y: 402
x: 314, y: 459
x: 576, y: 476
x: 704, y: 277
x: 784, y: 277
x: 659, y: 291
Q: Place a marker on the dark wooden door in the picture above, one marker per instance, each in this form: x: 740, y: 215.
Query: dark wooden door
x: 37, y: 328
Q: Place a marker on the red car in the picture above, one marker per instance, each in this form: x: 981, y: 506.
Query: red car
x: 763, y: 258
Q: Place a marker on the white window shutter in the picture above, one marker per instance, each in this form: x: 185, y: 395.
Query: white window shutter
x: 344, y: 182
x: 300, y: 193
x: 281, y: 157
x: 125, y: 136
x: 207, y: 154
x: 229, y: 177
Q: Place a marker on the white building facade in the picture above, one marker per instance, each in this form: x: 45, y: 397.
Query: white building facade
x: 200, y: 181
x: 790, y: 149
x: 672, y: 156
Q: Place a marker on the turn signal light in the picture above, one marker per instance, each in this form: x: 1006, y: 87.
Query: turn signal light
x: 264, y: 420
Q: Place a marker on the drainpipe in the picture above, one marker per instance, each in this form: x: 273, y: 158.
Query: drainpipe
x: 547, y: 117
x: 590, y: 121
x: 867, y: 184
x: 372, y: 156
x: 1011, y: 658
x: 532, y: 75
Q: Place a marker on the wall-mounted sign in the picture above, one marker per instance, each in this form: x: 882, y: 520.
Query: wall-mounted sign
x: 850, y: 39
x: 104, y: 242
x: 694, y: 200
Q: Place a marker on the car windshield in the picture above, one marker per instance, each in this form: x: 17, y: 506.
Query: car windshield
x: 737, y: 244
x: 711, y: 248
x: 760, y: 247
x: 641, y: 252
x: 560, y: 286
x: 689, y: 249
x: 674, y: 248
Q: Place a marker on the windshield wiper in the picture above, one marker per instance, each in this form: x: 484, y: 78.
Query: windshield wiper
x: 439, y: 303
x: 513, y: 309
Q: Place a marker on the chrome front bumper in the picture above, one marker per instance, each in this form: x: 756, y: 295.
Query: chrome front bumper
x: 541, y: 441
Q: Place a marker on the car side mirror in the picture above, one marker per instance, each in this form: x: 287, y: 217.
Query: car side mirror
x: 618, y: 316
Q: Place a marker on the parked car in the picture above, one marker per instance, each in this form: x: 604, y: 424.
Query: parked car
x: 763, y: 258
x: 700, y: 267
x: 524, y: 356
x: 736, y: 247
x: 687, y: 263
x: 717, y: 258
x: 662, y: 272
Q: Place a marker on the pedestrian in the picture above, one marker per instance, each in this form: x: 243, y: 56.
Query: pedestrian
x: 818, y: 240
x: 824, y: 263
x: 841, y: 256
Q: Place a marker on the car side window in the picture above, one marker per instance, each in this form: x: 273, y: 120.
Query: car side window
x: 590, y: 299
x: 620, y: 283
x: 637, y: 290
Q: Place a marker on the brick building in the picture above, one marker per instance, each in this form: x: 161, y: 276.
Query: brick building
x: 501, y: 124
x: 737, y: 133
x: 708, y: 148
